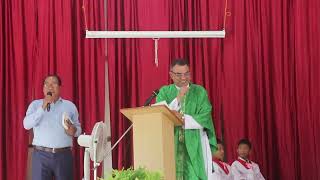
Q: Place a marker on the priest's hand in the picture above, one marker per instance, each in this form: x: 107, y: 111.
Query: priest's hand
x: 183, y: 91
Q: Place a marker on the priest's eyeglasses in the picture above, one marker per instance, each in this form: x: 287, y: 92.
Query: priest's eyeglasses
x: 180, y: 75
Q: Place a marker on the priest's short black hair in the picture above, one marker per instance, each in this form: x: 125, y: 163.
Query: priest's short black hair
x: 180, y: 62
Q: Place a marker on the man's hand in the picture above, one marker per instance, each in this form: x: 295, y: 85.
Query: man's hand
x: 183, y: 91
x: 46, y: 101
x: 71, y: 129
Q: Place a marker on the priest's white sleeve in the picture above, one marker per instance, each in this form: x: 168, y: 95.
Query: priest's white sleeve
x: 190, y: 123
x: 175, y: 105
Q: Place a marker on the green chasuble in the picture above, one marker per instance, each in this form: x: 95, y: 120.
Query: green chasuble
x: 188, y: 149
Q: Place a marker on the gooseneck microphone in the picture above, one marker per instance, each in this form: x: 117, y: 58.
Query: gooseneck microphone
x: 48, y: 106
x: 154, y: 94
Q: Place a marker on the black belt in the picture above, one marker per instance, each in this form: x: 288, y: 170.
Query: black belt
x: 51, y: 150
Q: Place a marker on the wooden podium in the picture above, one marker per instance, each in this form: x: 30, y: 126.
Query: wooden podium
x: 153, y: 138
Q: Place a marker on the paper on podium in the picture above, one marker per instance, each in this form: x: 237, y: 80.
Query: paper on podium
x: 161, y: 103
x: 165, y: 104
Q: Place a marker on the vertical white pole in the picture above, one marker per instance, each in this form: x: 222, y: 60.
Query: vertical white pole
x: 86, y: 168
x: 107, y: 162
x: 95, y: 166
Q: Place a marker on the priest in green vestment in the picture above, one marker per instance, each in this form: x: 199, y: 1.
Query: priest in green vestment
x: 196, y: 140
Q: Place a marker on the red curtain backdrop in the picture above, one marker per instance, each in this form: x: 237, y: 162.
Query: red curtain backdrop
x: 39, y: 38
x: 262, y: 79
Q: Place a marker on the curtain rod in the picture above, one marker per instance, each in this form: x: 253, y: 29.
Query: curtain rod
x: 155, y: 34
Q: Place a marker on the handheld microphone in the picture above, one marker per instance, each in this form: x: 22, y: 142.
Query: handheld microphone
x: 48, y: 106
x: 154, y: 94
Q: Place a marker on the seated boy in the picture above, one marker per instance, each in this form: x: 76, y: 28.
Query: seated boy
x: 243, y: 168
x: 220, y: 169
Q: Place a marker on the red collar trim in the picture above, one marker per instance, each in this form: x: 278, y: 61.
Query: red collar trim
x: 246, y: 164
x: 222, y: 165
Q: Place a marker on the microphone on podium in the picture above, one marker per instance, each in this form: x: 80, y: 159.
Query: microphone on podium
x: 154, y: 94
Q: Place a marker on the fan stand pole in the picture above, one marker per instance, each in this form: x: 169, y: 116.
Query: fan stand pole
x: 86, y: 168
x: 95, y: 164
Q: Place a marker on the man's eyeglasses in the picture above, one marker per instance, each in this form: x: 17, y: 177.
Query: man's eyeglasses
x: 180, y: 75
x: 55, y: 84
